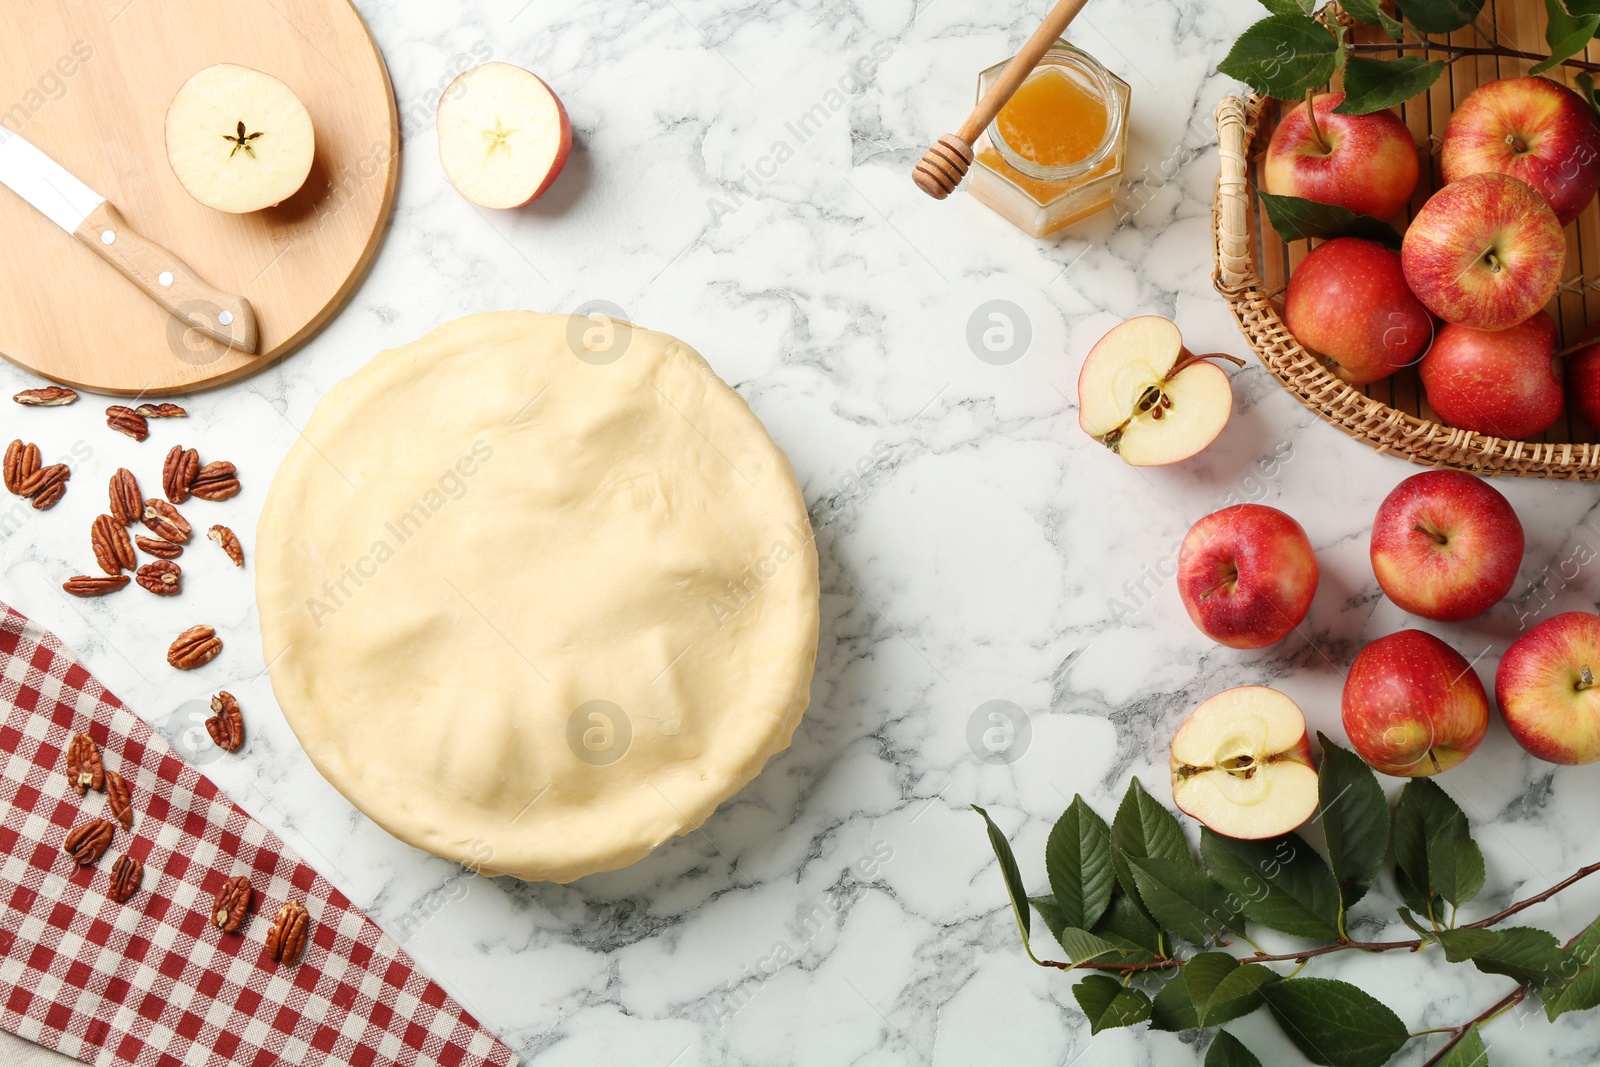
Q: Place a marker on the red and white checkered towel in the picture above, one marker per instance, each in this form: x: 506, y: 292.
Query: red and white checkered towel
x: 151, y: 982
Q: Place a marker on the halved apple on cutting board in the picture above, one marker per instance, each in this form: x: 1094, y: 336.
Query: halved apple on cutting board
x: 239, y: 140
x: 1149, y: 399
x: 1241, y: 764
x: 503, y: 135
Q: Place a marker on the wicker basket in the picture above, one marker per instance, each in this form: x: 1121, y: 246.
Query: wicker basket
x: 1253, y: 265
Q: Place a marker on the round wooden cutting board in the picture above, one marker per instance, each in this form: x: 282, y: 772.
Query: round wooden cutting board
x: 88, y: 82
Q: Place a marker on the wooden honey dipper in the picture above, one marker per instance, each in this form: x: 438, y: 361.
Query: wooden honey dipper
x: 942, y: 167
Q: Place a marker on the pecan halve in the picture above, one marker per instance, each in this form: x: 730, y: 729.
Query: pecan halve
x: 46, y: 484
x: 161, y: 577
x: 119, y: 799
x: 163, y: 520
x: 20, y: 462
x: 85, y: 769
x: 286, y: 937
x: 47, y: 498
x: 195, y: 647
x: 93, y: 584
x: 128, y: 421
x: 51, y: 396
x: 179, y: 470
x: 158, y: 548
x: 226, y: 725
x: 89, y: 841
x: 229, y: 542
x: 112, y: 549
x: 126, y: 503
x: 233, y: 901
x: 217, y: 480
x: 126, y: 874
x: 161, y: 411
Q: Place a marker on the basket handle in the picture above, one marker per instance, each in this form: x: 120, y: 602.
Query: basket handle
x: 1234, y: 271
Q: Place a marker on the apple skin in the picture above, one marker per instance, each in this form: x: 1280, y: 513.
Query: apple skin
x: 1503, y: 383
x: 1412, y: 706
x: 1583, y: 378
x: 1475, y: 565
x: 1485, y: 251
x: 1368, y: 166
x: 1532, y: 129
x: 1348, y: 300
x: 1547, y: 705
x: 1246, y: 575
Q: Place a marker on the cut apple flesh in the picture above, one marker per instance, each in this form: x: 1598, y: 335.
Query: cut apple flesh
x: 1241, y: 764
x: 239, y: 140
x: 503, y: 135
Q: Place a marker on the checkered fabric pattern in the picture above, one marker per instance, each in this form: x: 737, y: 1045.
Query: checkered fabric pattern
x: 151, y: 982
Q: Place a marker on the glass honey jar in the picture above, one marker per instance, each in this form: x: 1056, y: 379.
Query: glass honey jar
x: 1055, y: 152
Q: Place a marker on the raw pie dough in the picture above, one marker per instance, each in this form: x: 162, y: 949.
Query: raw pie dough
x: 532, y: 606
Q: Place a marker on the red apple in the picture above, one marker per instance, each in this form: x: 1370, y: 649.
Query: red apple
x: 1532, y: 129
x: 1583, y: 377
x: 1503, y: 383
x: 1349, y: 302
x: 503, y: 135
x: 1412, y: 705
x: 1485, y: 251
x: 1546, y: 688
x: 1446, y: 545
x: 1367, y: 163
x: 1241, y: 764
x: 1246, y: 575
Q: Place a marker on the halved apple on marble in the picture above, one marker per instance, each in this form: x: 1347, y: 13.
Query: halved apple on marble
x: 1241, y: 764
x: 1149, y: 399
x: 503, y: 135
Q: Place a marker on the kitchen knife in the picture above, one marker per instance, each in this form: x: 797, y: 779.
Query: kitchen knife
x: 91, y: 218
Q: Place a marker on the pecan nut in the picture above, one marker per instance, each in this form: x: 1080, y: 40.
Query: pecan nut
x: 161, y: 411
x: 178, y: 472
x: 226, y: 725
x: 195, y: 647
x: 163, y: 520
x: 20, y: 462
x: 85, y: 769
x: 126, y: 503
x: 128, y: 421
x: 126, y: 874
x: 48, y: 498
x: 155, y: 546
x: 233, y: 901
x: 51, y: 396
x: 119, y: 799
x: 112, y: 549
x: 89, y: 841
x: 229, y: 542
x: 286, y: 937
x: 161, y: 577
x: 93, y: 584
x: 217, y: 480
x: 46, y: 485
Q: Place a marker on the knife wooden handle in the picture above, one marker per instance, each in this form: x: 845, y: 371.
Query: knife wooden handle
x: 170, y: 281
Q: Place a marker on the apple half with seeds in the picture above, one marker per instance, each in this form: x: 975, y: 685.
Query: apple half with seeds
x: 503, y: 135
x: 239, y: 140
x: 1241, y: 764
x: 1149, y: 399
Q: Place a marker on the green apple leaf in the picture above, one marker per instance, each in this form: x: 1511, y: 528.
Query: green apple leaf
x: 1012, y: 876
x: 1463, y: 944
x: 1078, y: 861
x: 1283, y: 55
x: 1467, y: 1052
x: 1529, y: 955
x: 1125, y: 925
x: 1289, y: 7
x: 1426, y: 812
x: 1228, y: 1051
x: 1566, y: 34
x: 1143, y: 829
x: 1054, y: 921
x: 1372, y: 13
x: 1415, y: 899
x: 1174, y: 1009
x: 1578, y: 990
x: 1583, y: 7
x: 1296, y: 218
x: 1185, y: 899
x: 1355, y: 820
x: 1221, y: 989
x: 1456, y: 866
x: 1411, y: 920
x: 1281, y: 882
x: 1375, y: 84
x: 1119, y: 950
x: 1439, y: 16
x: 1108, y: 1003
x: 1082, y: 946
x: 1334, y: 1023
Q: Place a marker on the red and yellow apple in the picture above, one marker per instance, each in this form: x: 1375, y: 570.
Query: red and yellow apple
x: 1241, y: 764
x: 1547, y: 689
x: 1367, y: 163
x: 1532, y: 129
x: 1412, y: 705
x: 1485, y: 251
x: 1503, y: 383
x: 503, y: 135
x: 1348, y: 301
x: 1246, y: 575
x: 1446, y: 545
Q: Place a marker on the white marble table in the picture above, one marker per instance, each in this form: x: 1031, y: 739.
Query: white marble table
x: 975, y: 545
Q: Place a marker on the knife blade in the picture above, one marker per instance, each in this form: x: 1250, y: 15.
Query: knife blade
x: 62, y: 198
